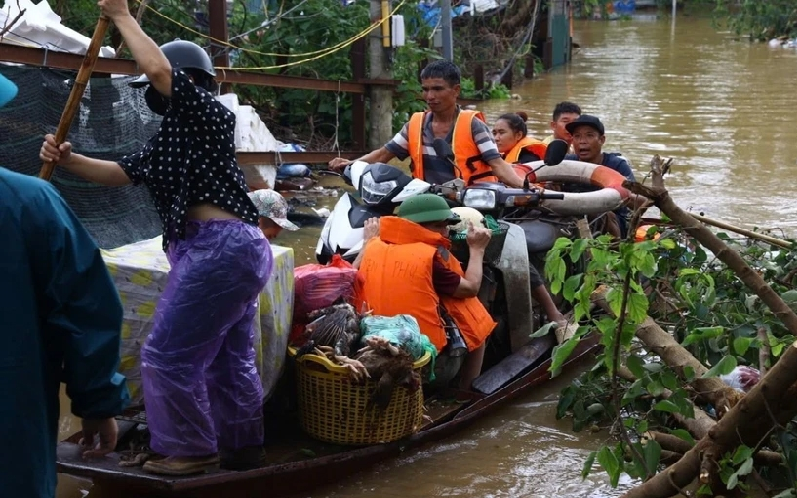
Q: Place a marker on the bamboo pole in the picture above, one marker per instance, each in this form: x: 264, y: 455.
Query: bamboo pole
x: 742, y: 231
x: 81, y: 81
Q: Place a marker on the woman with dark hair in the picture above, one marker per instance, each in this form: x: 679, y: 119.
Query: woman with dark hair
x: 511, y: 136
x: 202, y: 391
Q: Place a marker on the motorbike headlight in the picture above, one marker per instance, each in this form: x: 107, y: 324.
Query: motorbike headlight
x: 372, y: 192
x: 479, y: 198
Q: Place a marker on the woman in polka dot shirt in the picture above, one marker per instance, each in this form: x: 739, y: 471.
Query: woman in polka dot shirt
x: 201, y: 389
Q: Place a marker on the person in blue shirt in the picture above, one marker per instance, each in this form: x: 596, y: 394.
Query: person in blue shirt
x: 589, y: 136
x: 62, y: 320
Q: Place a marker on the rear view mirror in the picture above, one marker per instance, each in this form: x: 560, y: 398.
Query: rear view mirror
x: 556, y: 152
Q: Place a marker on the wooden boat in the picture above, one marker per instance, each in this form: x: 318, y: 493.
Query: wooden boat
x: 300, y: 463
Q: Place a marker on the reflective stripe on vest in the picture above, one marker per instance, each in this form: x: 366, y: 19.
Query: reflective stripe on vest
x: 397, y: 272
x: 466, y: 153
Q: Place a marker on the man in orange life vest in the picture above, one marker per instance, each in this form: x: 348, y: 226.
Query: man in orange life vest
x: 408, y: 269
x: 475, y: 152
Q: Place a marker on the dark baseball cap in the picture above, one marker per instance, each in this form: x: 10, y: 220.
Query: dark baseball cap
x: 586, y: 119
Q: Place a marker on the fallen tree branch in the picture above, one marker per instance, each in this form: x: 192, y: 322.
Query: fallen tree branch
x: 741, y: 231
x: 763, y: 351
x: 677, y: 357
x: 698, y: 427
x: 678, y: 445
x: 775, y: 393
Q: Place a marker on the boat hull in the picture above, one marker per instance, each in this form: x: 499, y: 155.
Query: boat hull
x: 293, y: 477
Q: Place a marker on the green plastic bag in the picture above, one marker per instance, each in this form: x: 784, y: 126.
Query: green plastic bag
x: 402, y: 331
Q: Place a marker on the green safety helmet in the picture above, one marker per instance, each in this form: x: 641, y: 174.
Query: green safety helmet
x: 427, y: 208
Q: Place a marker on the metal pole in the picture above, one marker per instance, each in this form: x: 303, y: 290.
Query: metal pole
x: 674, y: 4
x: 445, y: 27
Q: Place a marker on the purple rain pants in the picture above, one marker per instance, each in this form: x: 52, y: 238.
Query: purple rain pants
x: 202, y: 390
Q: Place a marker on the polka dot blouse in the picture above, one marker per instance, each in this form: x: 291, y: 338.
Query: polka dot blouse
x: 191, y: 160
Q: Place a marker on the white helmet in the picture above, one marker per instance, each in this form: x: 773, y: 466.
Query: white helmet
x: 467, y: 214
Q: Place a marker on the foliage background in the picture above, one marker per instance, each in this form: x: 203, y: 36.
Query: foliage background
x: 269, y: 35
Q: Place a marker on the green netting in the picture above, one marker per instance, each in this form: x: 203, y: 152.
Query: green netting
x: 113, y: 121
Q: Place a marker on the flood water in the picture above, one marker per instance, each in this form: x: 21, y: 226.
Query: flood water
x: 722, y: 109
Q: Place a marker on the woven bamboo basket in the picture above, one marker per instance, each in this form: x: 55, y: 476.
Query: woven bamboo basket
x: 334, y: 410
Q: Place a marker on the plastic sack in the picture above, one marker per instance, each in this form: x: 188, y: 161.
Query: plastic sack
x: 401, y: 330
x: 318, y: 286
x: 198, y: 364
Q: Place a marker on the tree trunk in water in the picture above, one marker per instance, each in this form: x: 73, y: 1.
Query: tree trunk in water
x: 772, y: 401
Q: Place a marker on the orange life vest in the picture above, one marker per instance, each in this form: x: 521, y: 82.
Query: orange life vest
x: 397, y: 279
x: 526, y: 143
x: 466, y: 153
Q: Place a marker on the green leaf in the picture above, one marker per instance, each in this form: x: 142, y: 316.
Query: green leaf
x: 609, y: 462
x: 615, y: 299
x: 585, y: 470
x: 606, y: 325
x: 652, y: 367
x: 723, y: 367
x: 558, y: 270
x: 652, y: 455
x: 571, y: 285
x: 789, y: 493
x: 746, y: 467
x: 733, y: 480
x: 668, y: 244
x: 655, y: 388
x: 682, y: 434
x: 777, y: 348
x: 579, y: 245
x: 561, y: 353
x: 742, y: 454
x: 705, y: 490
x: 689, y: 373
x: 648, y: 265
x: 636, y: 365
x: 562, y: 243
x: 637, y: 307
x: 544, y: 330
x: 742, y: 344
x: 632, y: 392
x: 666, y: 405
x: 702, y: 334
x: 669, y: 380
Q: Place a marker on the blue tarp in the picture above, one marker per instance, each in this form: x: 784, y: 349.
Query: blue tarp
x: 624, y: 7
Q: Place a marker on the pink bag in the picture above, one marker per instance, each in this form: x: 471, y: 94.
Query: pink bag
x: 318, y: 286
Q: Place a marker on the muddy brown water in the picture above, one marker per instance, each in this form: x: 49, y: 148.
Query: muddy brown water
x: 724, y: 110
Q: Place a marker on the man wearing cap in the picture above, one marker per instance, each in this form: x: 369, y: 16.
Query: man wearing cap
x: 409, y: 269
x: 272, y: 210
x: 62, y: 321
x: 589, y: 135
